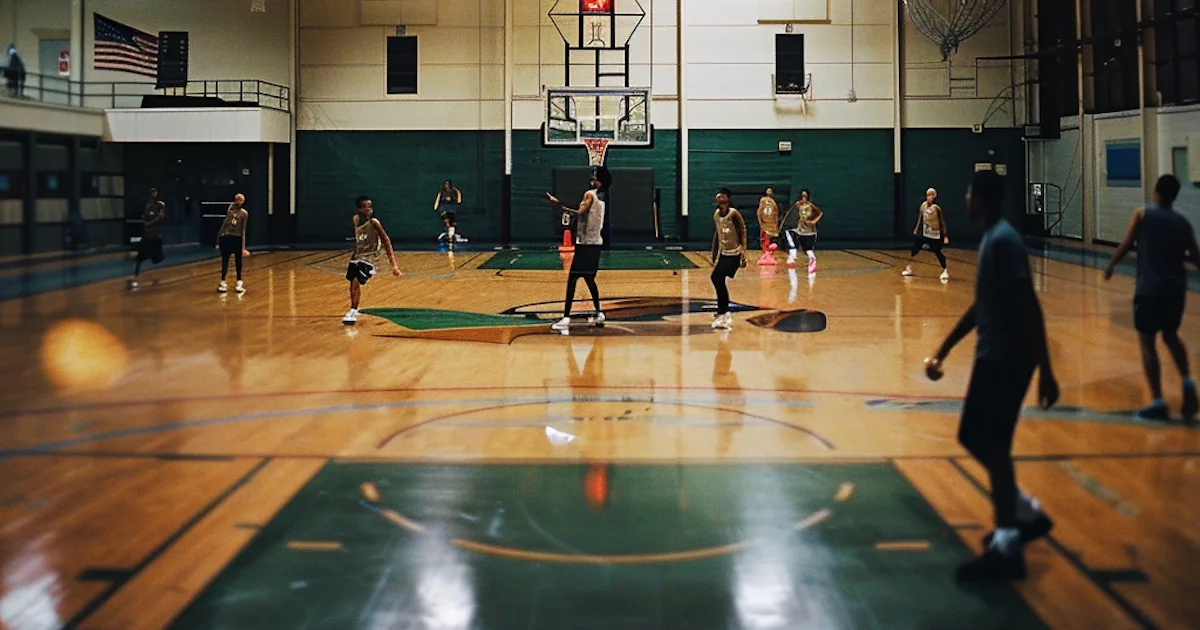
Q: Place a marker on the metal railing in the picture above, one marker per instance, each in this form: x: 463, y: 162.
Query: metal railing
x: 58, y: 90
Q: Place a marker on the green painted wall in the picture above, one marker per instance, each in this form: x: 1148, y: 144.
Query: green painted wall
x: 401, y: 172
x: 849, y: 172
x: 945, y: 159
x: 533, y: 176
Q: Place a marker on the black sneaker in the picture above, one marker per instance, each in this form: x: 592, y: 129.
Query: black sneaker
x: 1030, y: 531
x: 1190, y: 403
x: 993, y: 566
x: 1153, y: 413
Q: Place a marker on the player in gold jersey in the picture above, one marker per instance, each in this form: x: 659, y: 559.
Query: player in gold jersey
x: 369, y: 240
x: 729, y: 254
x: 768, y: 226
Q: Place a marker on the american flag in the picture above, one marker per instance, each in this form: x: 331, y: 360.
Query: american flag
x: 124, y: 48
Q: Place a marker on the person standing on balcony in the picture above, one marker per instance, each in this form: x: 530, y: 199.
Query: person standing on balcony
x: 14, y: 73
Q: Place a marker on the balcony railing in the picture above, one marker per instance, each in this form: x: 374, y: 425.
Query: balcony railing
x: 57, y: 90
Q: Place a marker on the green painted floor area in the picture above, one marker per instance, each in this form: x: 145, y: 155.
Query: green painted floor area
x: 434, y: 319
x: 756, y: 571
x: 609, y: 261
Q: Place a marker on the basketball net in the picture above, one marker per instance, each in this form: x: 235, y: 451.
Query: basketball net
x: 597, y: 148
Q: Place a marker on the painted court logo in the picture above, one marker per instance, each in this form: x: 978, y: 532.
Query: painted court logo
x: 625, y: 317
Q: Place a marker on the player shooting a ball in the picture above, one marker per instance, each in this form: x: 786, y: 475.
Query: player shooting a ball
x: 586, y: 262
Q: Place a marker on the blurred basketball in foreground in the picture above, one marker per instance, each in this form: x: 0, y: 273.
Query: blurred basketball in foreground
x: 82, y: 355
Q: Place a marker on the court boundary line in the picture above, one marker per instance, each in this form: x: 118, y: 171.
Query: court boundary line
x: 100, y: 600
x: 1116, y: 598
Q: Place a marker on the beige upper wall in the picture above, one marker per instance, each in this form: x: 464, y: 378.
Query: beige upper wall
x: 730, y: 64
x: 225, y: 39
x: 21, y: 22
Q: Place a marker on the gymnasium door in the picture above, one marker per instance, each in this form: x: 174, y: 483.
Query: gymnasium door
x: 630, y: 215
x: 48, y: 86
x: 218, y: 185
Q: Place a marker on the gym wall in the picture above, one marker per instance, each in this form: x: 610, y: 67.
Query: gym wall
x: 225, y: 39
x: 354, y: 138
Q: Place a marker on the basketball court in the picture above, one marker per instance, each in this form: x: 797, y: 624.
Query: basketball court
x: 174, y: 457
x: 178, y: 459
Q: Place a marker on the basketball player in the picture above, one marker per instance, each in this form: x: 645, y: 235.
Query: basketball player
x: 151, y: 246
x: 586, y: 261
x: 728, y: 254
x: 1165, y: 241
x: 231, y: 240
x: 1011, y: 344
x: 768, y: 224
x: 805, y: 236
x: 930, y: 232
x: 451, y: 198
x: 369, y: 238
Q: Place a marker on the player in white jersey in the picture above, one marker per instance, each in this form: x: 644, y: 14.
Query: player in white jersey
x: 930, y: 232
x: 586, y: 262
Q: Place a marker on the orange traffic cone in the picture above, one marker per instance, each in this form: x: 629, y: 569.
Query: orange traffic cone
x: 568, y: 245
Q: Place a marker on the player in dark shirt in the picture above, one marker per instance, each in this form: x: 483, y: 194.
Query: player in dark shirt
x: 151, y: 246
x: 1011, y: 345
x: 1165, y: 241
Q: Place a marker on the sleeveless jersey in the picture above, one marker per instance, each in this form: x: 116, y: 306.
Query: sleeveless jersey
x: 366, y: 241
x: 449, y: 197
x: 768, y: 216
x: 806, y: 227
x: 591, y: 224
x: 235, y: 222
x: 931, y: 226
x: 153, y: 208
x: 728, y: 233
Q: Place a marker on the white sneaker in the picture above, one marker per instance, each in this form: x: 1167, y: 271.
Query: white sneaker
x: 945, y: 275
x: 223, y: 287
x: 241, y: 288
x: 562, y: 324
x: 907, y: 271
x: 133, y: 285
x: 723, y: 322
x: 598, y: 318
x: 351, y: 317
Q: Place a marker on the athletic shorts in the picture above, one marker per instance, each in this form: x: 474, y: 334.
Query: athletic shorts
x: 1157, y: 314
x: 586, y: 261
x: 934, y: 244
x: 151, y: 249
x: 360, y: 270
x: 993, y: 404
x: 727, y: 266
x: 808, y: 242
x: 230, y: 244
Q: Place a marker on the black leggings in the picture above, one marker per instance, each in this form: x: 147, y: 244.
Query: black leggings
x: 935, y: 246
x: 572, y: 281
x: 231, y: 246
x: 989, y: 420
x: 726, y: 267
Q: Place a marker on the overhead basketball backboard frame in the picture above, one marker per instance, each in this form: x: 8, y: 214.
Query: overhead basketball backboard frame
x: 620, y: 115
x: 601, y: 31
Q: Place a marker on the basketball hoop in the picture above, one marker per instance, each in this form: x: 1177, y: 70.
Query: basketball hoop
x: 597, y: 148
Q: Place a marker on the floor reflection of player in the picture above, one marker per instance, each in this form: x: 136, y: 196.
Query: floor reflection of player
x: 231, y: 352
x: 725, y: 382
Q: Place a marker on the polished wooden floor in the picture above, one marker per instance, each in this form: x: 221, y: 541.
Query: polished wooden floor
x: 147, y: 437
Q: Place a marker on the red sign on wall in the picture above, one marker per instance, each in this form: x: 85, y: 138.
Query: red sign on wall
x: 596, y: 6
